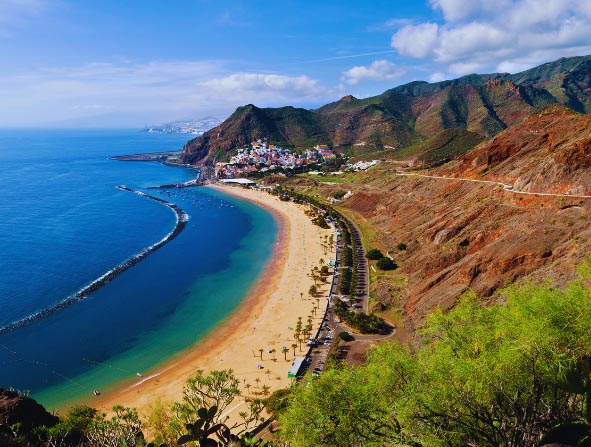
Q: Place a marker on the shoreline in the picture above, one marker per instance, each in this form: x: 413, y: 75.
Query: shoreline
x: 181, y: 221
x: 263, y: 319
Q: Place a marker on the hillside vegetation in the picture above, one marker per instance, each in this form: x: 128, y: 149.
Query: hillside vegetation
x: 502, y: 375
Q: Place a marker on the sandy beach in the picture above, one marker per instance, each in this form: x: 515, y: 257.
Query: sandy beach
x: 264, y: 320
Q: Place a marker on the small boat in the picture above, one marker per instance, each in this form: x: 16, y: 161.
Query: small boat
x: 96, y: 392
x: 139, y: 374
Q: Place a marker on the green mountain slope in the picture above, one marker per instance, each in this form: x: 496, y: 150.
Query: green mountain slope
x: 407, y: 115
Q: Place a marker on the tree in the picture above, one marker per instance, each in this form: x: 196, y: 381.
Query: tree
x: 124, y: 428
x: 218, y: 388
x: 158, y: 422
x: 341, y: 409
x: 374, y: 254
x: 205, y: 401
x: 294, y: 346
x: 285, y: 350
x: 72, y: 429
x: 386, y: 264
x: 312, y: 291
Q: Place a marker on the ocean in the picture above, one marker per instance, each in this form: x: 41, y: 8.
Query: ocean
x: 63, y: 223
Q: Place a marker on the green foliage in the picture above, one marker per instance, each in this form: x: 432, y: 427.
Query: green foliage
x: 364, y: 323
x: 401, y: 246
x: 345, y: 282
x: 201, y: 430
x: 345, y: 336
x: 386, y: 264
x: 503, y: 375
x: 374, y: 254
x: 158, y: 420
x: 339, y: 194
x: 278, y: 400
x: 205, y: 399
x: 122, y: 429
x: 339, y: 408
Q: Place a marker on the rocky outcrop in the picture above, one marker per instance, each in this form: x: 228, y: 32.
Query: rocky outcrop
x: 549, y: 152
x: 19, y: 416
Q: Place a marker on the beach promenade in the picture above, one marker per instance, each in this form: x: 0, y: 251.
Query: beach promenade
x: 264, y: 321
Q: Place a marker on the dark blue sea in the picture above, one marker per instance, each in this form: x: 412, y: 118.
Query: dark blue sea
x: 63, y: 223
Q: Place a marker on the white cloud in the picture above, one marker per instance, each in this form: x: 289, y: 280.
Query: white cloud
x: 381, y: 70
x: 257, y: 87
x: 143, y: 93
x: 498, y: 34
x: 416, y: 40
x: 438, y: 77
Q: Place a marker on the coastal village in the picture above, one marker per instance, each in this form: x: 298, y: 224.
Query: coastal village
x: 260, y: 157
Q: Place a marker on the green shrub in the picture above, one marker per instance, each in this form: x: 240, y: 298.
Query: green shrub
x: 374, y: 254
x: 386, y: 264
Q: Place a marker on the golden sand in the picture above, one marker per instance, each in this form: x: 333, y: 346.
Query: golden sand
x: 264, y: 320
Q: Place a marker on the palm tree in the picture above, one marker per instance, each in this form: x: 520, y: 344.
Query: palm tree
x: 261, y: 351
x: 285, y: 351
x: 257, y: 380
x: 294, y: 346
x: 247, y: 386
x: 266, y: 389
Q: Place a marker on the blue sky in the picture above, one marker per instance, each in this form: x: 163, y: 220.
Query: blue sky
x: 69, y: 63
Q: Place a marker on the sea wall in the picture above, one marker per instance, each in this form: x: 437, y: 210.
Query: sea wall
x: 181, y: 221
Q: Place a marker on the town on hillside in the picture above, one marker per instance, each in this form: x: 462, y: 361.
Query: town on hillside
x: 260, y: 157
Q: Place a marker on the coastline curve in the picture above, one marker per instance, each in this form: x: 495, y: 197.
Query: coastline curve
x: 181, y: 220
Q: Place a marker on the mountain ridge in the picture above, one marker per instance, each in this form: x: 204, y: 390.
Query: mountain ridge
x: 405, y: 115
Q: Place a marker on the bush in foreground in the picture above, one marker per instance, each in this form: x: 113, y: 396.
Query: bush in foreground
x: 503, y: 375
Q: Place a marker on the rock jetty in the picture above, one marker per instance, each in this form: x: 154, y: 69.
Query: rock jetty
x: 181, y: 221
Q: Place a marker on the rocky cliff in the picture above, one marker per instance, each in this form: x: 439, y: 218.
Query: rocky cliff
x: 548, y: 152
x: 19, y: 416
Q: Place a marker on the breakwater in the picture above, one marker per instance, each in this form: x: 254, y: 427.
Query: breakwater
x: 181, y: 221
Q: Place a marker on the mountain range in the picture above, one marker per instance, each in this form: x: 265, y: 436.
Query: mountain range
x: 418, y: 118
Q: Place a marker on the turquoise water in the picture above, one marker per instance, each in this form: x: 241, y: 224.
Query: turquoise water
x: 63, y: 223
